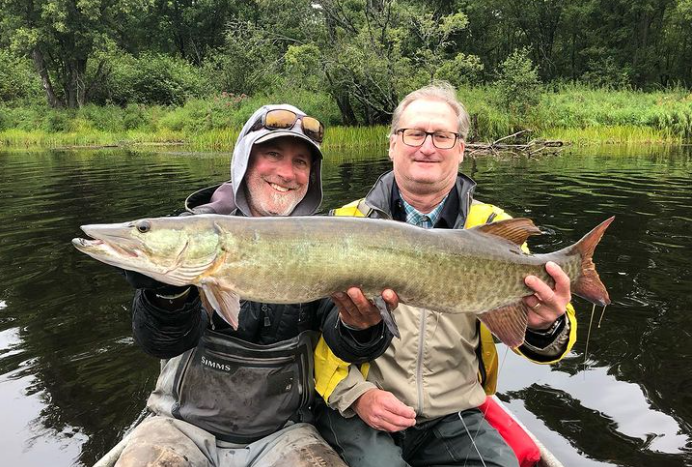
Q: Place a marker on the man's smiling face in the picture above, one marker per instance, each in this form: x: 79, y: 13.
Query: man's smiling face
x: 426, y: 169
x: 278, y: 175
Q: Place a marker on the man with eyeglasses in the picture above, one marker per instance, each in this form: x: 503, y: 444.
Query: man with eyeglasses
x: 418, y: 403
x: 235, y: 398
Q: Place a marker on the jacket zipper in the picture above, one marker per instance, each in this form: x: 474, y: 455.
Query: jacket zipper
x: 419, y: 361
x: 305, y: 393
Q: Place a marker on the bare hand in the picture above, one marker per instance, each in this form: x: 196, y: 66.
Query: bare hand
x: 547, y: 304
x: 357, y: 311
x: 381, y: 410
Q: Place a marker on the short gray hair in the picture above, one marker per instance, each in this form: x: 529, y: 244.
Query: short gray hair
x: 437, y: 91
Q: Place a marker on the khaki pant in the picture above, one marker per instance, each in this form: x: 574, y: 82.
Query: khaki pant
x: 167, y: 442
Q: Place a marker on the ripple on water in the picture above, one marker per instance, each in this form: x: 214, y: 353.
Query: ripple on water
x: 69, y: 362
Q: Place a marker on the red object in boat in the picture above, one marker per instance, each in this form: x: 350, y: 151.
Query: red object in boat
x: 524, y: 448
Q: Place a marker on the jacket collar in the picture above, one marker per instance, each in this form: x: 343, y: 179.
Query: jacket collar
x: 384, y: 199
x: 218, y: 199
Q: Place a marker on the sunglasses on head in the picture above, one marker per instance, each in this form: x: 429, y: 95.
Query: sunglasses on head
x: 281, y: 119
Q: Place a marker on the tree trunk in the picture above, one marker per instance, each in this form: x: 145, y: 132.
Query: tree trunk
x: 40, y: 65
x: 75, y: 88
x: 348, y: 116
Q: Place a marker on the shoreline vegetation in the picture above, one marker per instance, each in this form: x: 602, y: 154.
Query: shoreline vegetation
x: 94, y: 73
x: 574, y: 114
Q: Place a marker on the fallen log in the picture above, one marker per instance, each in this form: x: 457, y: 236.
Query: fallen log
x: 529, y: 148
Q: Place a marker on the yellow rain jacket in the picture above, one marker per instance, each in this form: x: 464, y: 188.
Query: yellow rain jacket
x: 330, y: 370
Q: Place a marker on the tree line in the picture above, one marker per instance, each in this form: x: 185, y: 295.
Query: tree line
x: 365, y: 54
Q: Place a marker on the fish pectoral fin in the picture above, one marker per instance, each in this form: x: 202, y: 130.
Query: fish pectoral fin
x: 387, y: 316
x: 224, y: 301
x: 515, y: 230
x: 507, y: 323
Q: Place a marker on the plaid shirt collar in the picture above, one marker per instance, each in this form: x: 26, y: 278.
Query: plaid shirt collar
x: 448, y: 217
x: 427, y: 221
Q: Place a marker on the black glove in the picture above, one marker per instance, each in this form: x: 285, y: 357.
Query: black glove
x: 140, y: 281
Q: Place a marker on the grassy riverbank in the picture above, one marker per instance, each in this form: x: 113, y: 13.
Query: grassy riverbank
x: 574, y: 114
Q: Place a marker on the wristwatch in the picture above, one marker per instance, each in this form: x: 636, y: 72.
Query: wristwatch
x: 551, y: 331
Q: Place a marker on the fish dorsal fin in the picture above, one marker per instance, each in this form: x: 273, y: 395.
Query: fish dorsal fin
x: 507, y: 323
x: 225, y: 302
x: 514, y: 230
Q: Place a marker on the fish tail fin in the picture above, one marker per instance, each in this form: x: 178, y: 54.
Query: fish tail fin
x: 588, y: 284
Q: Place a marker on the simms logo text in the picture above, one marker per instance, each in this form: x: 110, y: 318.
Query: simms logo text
x: 216, y: 365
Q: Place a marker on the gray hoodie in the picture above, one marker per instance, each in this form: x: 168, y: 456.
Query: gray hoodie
x: 241, y: 157
x: 229, y: 197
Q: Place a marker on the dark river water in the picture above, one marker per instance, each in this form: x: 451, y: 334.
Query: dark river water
x: 72, y: 381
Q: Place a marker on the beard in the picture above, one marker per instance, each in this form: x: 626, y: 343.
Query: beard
x: 264, y: 200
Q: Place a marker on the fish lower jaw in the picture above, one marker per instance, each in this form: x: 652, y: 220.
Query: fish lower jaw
x: 83, y: 242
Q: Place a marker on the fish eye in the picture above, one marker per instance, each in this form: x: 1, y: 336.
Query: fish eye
x: 143, y: 226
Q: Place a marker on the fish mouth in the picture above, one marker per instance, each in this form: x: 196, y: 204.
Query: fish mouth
x: 109, y: 239
x: 92, y: 246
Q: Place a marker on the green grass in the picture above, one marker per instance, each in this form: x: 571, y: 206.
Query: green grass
x: 611, y: 135
x: 337, y: 137
x: 91, y: 138
x: 616, y: 116
x: 580, y: 115
x: 572, y: 113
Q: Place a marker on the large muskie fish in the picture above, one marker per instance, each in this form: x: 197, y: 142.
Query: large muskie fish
x: 300, y: 259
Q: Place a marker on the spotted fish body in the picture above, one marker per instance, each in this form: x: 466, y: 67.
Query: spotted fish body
x: 300, y: 259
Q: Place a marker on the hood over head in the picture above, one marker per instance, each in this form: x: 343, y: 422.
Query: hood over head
x: 241, y: 157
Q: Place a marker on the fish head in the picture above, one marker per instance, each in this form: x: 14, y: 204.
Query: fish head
x: 173, y: 250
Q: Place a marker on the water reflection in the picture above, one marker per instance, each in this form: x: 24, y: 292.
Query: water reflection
x: 72, y: 381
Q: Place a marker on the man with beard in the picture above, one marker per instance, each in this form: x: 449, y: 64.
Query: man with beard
x: 242, y: 397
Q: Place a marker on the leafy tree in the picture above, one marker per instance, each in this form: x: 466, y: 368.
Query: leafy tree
x: 61, y: 36
x: 191, y: 29
x: 434, y: 34
x: 377, y: 51
x: 518, y: 83
x: 605, y: 73
x: 462, y: 70
x: 17, y: 79
x: 301, y: 66
x: 249, y: 61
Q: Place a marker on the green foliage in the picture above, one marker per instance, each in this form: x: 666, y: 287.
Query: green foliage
x: 202, y: 66
x: 463, y: 70
x: 302, y: 66
x: 248, y: 62
x: 17, y: 79
x: 573, y: 113
x: 161, y: 79
x: 56, y: 121
x: 581, y: 107
x: 135, y: 116
x: 518, y: 83
x: 604, y: 73
x: 149, y: 79
x: 434, y: 33
x: 189, y: 29
x: 62, y: 36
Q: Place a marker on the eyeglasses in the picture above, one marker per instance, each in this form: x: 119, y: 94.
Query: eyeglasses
x: 281, y: 119
x: 415, y: 137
